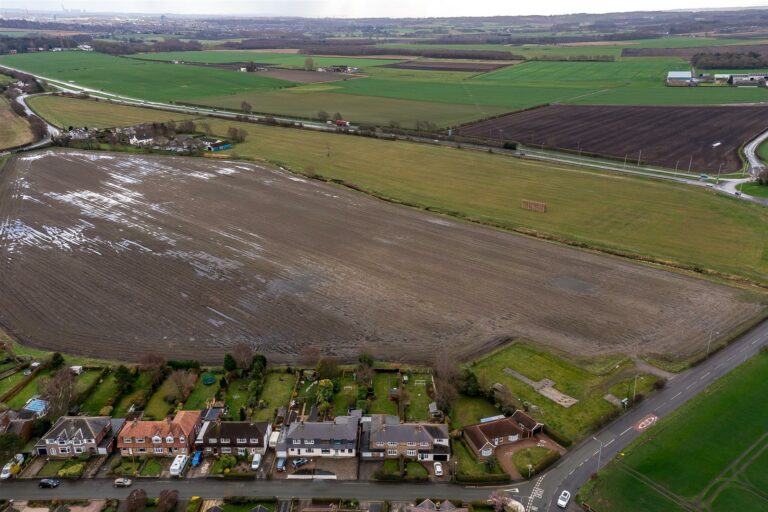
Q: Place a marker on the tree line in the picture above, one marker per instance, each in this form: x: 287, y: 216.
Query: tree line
x: 730, y: 60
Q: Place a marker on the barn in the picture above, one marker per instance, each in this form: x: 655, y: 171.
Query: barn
x: 679, y: 78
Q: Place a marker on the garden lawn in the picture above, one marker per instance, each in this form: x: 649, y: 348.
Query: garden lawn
x: 157, y: 408
x: 28, y: 391
x: 346, y: 397
x: 467, y: 465
x: 53, y: 466
x: 754, y: 189
x: 86, y: 379
x: 382, y: 383
x: 140, y: 387
x: 100, y: 396
x: 470, y: 410
x: 690, y: 458
x: 237, y: 396
x: 151, y: 468
x: 415, y: 469
x: 65, y: 112
x: 418, y: 410
x: 276, y: 393
x: 589, y: 388
x: 201, y: 394
x: 529, y: 456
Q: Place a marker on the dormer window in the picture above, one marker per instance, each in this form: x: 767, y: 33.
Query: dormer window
x: 254, y: 440
x: 181, y: 439
x: 169, y: 439
x: 157, y: 440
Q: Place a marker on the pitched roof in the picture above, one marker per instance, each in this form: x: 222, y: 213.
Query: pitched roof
x: 233, y: 430
x: 182, y: 424
x: 187, y: 420
x: 526, y: 421
x: 386, y: 429
x: 68, y: 428
x: 342, y: 428
x: 482, y: 433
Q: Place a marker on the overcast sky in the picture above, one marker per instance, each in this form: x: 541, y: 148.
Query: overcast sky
x: 375, y: 8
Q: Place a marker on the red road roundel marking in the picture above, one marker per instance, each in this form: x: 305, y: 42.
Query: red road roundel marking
x: 646, y: 422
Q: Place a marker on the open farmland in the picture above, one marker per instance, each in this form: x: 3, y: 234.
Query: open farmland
x: 686, y: 463
x: 691, y: 51
x: 703, y: 137
x: 447, y: 65
x: 14, y: 130
x: 123, y: 254
x: 602, y: 210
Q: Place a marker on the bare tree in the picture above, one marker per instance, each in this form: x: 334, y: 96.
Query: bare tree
x: 154, y: 364
x: 183, y: 381
x: 246, y: 107
x: 327, y: 368
x: 206, y: 127
x: 243, y: 354
x: 167, y: 500
x: 762, y: 177
x: 59, y: 391
x: 337, y: 116
x: 310, y: 355
x: 323, y: 116
x: 187, y: 126
x: 136, y: 500
x: 446, y: 378
x: 309, y: 64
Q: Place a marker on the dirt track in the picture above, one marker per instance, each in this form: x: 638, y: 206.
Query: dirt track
x: 115, y: 255
x: 673, y: 137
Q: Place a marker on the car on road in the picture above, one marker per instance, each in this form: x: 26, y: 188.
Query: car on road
x: 122, y: 482
x: 48, y: 483
x: 297, y: 463
x: 438, y: 469
x: 564, y: 499
x: 256, y: 461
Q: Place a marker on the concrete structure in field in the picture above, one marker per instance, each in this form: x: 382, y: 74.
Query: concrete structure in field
x: 679, y: 78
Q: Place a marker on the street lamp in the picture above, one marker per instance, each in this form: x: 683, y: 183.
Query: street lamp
x: 600, y: 453
x: 710, y: 340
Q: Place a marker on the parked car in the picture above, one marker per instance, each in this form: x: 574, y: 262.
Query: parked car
x: 48, y: 483
x: 7, y: 471
x: 122, y: 482
x: 256, y: 461
x: 564, y: 499
x: 280, y: 464
x: 297, y: 463
x: 438, y: 469
x: 197, y: 458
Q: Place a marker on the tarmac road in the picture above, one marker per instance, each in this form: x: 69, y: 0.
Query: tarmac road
x: 539, y: 494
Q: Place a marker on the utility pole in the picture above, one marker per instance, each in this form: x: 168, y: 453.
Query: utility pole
x: 600, y: 453
x: 625, y: 161
x: 634, y: 391
x: 717, y: 182
x: 690, y: 164
x: 639, y: 155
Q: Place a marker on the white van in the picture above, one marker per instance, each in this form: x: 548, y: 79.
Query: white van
x: 7, y: 471
x: 179, y: 464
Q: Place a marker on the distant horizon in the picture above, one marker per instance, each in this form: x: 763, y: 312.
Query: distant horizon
x: 355, y: 9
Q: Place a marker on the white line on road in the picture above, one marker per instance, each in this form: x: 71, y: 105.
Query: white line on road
x: 689, y: 386
x: 609, y: 442
x: 677, y: 395
x: 628, y: 429
x: 754, y: 342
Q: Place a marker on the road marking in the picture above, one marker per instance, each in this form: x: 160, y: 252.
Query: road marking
x: 514, y: 490
x: 598, y: 451
x: 569, y: 474
x: 628, y: 429
x: 677, y: 395
x: 754, y: 342
x: 646, y: 422
x: 730, y: 358
x: 609, y: 442
x: 689, y: 386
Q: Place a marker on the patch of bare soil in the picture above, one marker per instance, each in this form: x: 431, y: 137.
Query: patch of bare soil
x: 116, y: 255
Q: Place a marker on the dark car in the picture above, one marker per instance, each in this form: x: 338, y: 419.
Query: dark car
x: 48, y: 483
x: 297, y: 463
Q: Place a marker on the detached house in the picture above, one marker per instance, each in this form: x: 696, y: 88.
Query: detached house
x: 235, y: 437
x: 166, y: 438
x: 384, y: 437
x: 337, y: 438
x: 484, y: 438
x: 71, y: 436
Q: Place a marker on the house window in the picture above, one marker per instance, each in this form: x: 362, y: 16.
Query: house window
x: 512, y: 439
x: 241, y: 440
x: 240, y: 450
x: 181, y: 439
x: 213, y: 440
x: 297, y: 441
x: 127, y: 440
x: 487, y: 452
x: 411, y: 443
x: 226, y: 449
x: 208, y: 450
x: 424, y: 443
x: 224, y: 440
x: 157, y: 440
x: 139, y: 439
x: 142, y: 450
x: 62, y: 442
x: 169, y: 439
x: 254, y: 440
x: 379, y: 443
x: 392, y: 452
x: 391, y: 443
x: 53, y: 451
x: 159, y: 450
x: 411, y: 453
x: 309, y: 441
x: 79, y: 450
x: 184, y: 451
x: 325, y: 451
x: 74, y: 441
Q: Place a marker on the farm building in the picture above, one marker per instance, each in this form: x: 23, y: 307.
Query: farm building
x: 679, y: 79
x: 748, y: 80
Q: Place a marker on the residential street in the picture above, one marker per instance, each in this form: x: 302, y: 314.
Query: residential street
x: 538, y: 494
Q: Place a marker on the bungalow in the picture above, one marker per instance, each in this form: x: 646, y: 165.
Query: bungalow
x: 71, y: 436
x: 484, y: 438
x: 237, y: 437
x: 384, y: 437
x: 337, y: 438
x: 166, y: 438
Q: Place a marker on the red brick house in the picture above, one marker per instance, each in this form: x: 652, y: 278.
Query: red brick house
x: 484, y: 438
x: 165, y: 438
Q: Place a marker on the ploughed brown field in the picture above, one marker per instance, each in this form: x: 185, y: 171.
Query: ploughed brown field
x: 700, y: 137
x: 427, y: 65
x: 116, y: 255
x: 690, y: 52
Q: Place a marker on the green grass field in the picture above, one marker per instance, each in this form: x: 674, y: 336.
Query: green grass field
x: 236, y: 396
x: 286, y: 60
x: 276, y: 393
x: 673, y: 222
x: 28, y: 391
x: 346, y: 397
x: 470, y: 410
x: 140, y: 387
x: 86, y: 379
x: 14, y: 130
x: 201, y: 394
x: 100, y: 396
x: 586, y: 386
x: 754, y: 189
x: 65, y: 112
x: 382, y: 383
x: 688, y: 461
x: 157, y: 408
x: 140, y: 79
x: 417, y: 386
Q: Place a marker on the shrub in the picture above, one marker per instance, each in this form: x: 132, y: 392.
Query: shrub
x: 106, y: 410
x: 660, y: 383
x: 194, y: 504
x: 115, y: 463
x: 73, y: 471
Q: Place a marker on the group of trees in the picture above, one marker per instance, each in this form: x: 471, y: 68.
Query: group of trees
x: 435, y: 53
x: 325, y: 116
x: 730, y: 60
x: 236, y: 134
x: 138, y: 500
x: 244, y: 362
